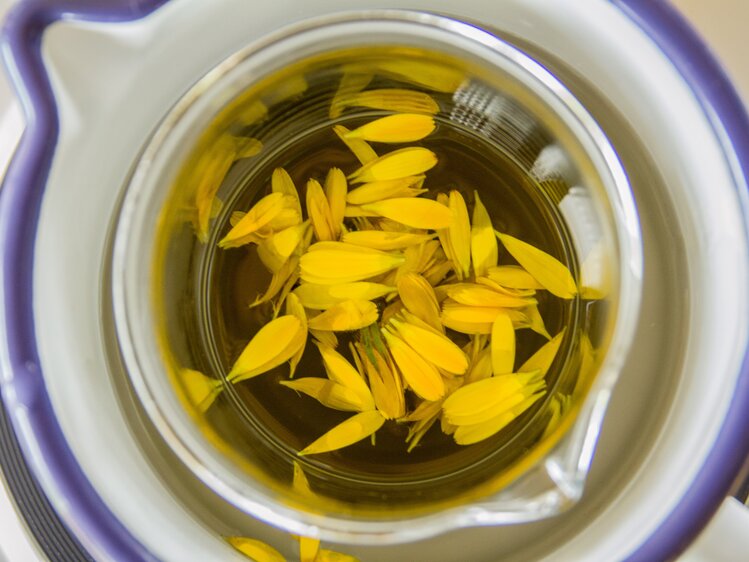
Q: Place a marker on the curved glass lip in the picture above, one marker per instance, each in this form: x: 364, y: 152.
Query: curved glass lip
x: 193, y: 450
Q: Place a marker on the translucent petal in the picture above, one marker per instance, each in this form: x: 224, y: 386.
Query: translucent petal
x: 535, y: 321
x: 544, y: 357
x: 410, y: 186
x: 510, y: 292
x: 382, y: 240
x: 484, y: 249
x: 547, y: 270
x: 359, y: 148
x: 322, y: 297
x: 255, y: 550
x: 351, y: 83
x: 470, y: 434
x: 414, y: 212
x: 356, y: 211
x: 422, y: 377
x: 325, y: 337
x: 281, y: 183
x: 503, y: 345
x: 289, y: 88
x: 435, y: 274
x: 394, y: 99
x: 513, y: 277
x: 335, y: 190
x: 469, y: 319
x: 258, y: 217
x: 278, y: 247
x: 248, y: 147
x: 434, y: 347
x: 295, y: 308
x: 419, y: 298
x: 332, y: 556
x: 460, y: 233
x: 481, y: 367
x: 384, y: 382
x: 400, y: 127
x: 318, y: 210
x: 347, y: 433
x: 201, y: 390
x: 274, y: 344
x: 346, y: 316
x: 401, y: 163
x: 309, y: 548
x: 424, y: 74
x: 328, y: 393
x: 300, y: 482
x: 342, y: 372
x: 345, y: 263
x: 287, y: 271
x: 212, y: 170
x: 478, y: 295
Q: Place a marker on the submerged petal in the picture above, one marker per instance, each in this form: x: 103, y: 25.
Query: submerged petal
x: 318, y: 210
x: 281, y: 182
x: 295, y: 308
x: 346, y: 316
x: 419, y: 299
x: 544, y: 357
x: 422, y: 377
x: 328, y: 393
x: 400, y: 127
x: 342, y: 372
x: 322, y: 297
x: 433, y: 346
x: 513, y: 277
x: 255, y: 550
x: 503, y: 345
x: 401, y: 163
x: 460, y: 233
x: 309, y: 548
x: 338, y: 262
x: 472, y: 294
x: 410, y: 186
x: 274, y: 344
x: 335, y: 190
x: 484, y: 250
x: 383, y: 240
x: 470, y: 434
x: 394, y: 99
x: 414, y: 212
x: 287, y: 272
x: 201, y: 390
x: 347, y: 433
x: 363, y: 152
x: 547, y: 270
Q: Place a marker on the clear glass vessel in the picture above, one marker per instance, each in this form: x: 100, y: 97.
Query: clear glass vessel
x: 502, y: 116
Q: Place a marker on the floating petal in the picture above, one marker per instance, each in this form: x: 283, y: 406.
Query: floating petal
x: 401, y: 127
x: 410, y: 186
x: 255, y: 550
x: 382, y: 240
x: 413, y: 212
x: 460, y: 234
x: 422, y: 377
x: 419, y: 299
x: 281, y: 182
x: 347, y: 433
x: 287, y: 272
x: 547, y: 270
x: 351, y: 83
x: 503, y: 345
x: 318, y: 209
x: 401, y: 163
x: 363, y: 152
x: 274, y: 344
x: 328, y: 393
x: 394, y: 99
x: 275, y: 250
x: 433, y: 346
x: 346, y: 316
x: 322, y: 297
x: 295, y: 308
x: 261, y: 214
x: 484, y: 249
x: 325, y: 337
x: 513, y: 277
x: 481, y: 367
x: 338, y: 262
x: 544, y: 357
x: 201, y: 390
x: 342, y: 372
x: 384, y: 381
x: 470, y: 434
x: 335, y: 190
x: 309, y: 548
x: 536, y: 321
x: 478, y: 295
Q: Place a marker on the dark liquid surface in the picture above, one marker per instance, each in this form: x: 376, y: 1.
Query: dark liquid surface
x: 286, y: 421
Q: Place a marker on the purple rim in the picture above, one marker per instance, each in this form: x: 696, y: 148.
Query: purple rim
x: 24, y: 392
x: 730, y: 452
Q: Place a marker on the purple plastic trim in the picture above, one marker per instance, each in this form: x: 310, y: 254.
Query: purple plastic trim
x: 724, y: 107
x: 23, y: 389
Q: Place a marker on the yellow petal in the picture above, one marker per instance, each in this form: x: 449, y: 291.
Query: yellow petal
x: 261, y: 214
x: 410, y: 186
x: 401, y: 163
x: 419, y: 299
x: 484, y: 250
x: 295, y: 308
x: 344, y: 373
x: 544, y: 357
x: 503, y: 345
x: 251, y: 113
x: 435, y: 274
x: 255, y: 550
x: 433, y: 346
x: 201, y: 390
x: 328, y: 393
x: 281, y: 182
x: 325, y: 337
x: 212, y: 170
x: 535, y: 321
x: 481, y: 367
x: 248, y: 147
x: 319, y: 211
x: 286, y: 273
x: 401, y: 127
x: 381, y: 240
x: 587, y: 365
x: 309, y: 548
x: 475, y: 319
x: 322, y: 297
x: 337, y: 262
x: 351, y: 83
x: 478, y: 295
x: 470, y: 434
x: 413, y: 212
x: 347, y: 433
x: 422, y: 377
x: 510, y: 292
x: 274, y: 344
x: 278, y: 247
x: 290, y: 87
x: 346, y: 316
x: 394, y: 99
x: 335, y: 190
x: 460, y: 234
x: 359, y: 148
x: 513, y: 277
x: 547, y: 270
x: 332, y: 556
x: 384, y: 382
x: 425, y: 74
x: 300, y: 483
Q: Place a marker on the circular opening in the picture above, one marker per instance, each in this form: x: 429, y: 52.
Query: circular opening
x: 187, y: 306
